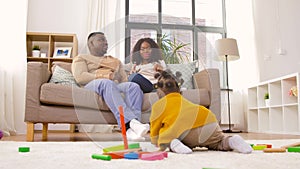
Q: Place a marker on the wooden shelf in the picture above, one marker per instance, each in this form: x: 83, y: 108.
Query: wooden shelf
x: 48, y: 42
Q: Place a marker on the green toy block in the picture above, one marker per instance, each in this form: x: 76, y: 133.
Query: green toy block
x: 24, y: 149
x: 294, y: 149
x: 121, y: 147
x: 101, y: 157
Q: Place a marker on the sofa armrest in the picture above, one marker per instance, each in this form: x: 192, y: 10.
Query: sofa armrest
x: 37, y: 74
x: 210, y: 79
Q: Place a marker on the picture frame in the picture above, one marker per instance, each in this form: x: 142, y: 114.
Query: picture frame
x: 62, y: 52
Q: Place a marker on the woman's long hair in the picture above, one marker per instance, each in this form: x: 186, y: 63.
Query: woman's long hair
x: 156, y: 53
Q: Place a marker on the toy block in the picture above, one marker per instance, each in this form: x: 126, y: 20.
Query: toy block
x: 274, y: 150
x: 268, y: 145
x: 154, y: 156
x: 121, y: 147
x: 101, y: 157
x: 131, y: 156
x: 259, y: 147
x: 294, y: 149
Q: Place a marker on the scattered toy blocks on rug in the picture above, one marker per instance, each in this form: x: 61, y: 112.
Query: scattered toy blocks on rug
x: 120, y: 154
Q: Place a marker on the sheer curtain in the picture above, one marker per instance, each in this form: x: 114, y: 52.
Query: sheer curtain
x: 13, y: 66
x: 6, y: 98
x: 106, y: 16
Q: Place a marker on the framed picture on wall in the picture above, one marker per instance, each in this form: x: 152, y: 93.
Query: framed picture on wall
x: 62, y: 52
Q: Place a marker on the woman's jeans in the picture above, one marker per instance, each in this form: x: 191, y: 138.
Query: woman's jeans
x: 144, y: 83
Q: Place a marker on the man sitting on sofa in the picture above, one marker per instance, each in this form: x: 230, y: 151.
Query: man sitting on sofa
x: 105, y: 76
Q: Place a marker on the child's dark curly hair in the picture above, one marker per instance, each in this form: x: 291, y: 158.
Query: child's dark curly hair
x: 167, y: 82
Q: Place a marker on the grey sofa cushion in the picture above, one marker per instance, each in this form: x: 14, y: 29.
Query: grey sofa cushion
x: 62, y: 76
x: 57, y: 94
x: 187, y: 70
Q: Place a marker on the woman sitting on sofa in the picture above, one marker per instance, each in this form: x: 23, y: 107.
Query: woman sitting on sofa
x: 147, y: 61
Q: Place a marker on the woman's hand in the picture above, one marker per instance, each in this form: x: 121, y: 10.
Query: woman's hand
x: 133, y: 69
x: 157, y: 67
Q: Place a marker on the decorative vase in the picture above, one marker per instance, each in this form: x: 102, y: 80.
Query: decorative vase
x: 267, y: 101
x: 35, y: 53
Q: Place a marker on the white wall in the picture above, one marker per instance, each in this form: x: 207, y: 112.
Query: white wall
x: 277, y: 27
x: 73, y: 16
x: 59, y: 16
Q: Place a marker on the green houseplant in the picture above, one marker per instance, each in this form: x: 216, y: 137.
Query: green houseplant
x: 36, y: 47
x: 267, y: 99
x: 172, y: 50
x: 266, y: 96
x: 36, y: 51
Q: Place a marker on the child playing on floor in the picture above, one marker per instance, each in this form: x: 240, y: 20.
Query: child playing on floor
x: 181, y: 125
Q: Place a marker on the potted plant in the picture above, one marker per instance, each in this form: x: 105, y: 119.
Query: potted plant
x: 173, y: 51
x: 36, y: 51
x: 267, y: 99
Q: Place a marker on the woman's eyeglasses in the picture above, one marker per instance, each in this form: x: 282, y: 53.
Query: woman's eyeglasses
x: 145, y: 49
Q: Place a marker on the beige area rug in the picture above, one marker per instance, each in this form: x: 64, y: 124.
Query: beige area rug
x: 77, y: 155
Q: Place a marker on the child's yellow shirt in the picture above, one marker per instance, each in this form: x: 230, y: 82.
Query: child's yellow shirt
x: 172, y: 115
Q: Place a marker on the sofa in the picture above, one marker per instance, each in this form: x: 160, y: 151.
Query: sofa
x: 48, y: 102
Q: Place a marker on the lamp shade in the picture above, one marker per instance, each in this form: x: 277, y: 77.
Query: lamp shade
x: 227, y: 47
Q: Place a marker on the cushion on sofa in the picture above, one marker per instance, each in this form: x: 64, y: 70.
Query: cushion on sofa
x: 197, y: 96
x: 62, y: 76
x: 65, y: 65
x: 57, y: 94
x: 187, y: 70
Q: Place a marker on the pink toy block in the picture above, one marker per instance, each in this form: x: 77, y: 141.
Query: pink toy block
x: 154, y: 156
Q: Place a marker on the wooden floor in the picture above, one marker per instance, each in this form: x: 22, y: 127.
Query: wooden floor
x: 116, y: 136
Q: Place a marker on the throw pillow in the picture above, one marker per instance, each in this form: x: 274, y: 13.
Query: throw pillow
x: 62, y: 76
x: 187, y: 70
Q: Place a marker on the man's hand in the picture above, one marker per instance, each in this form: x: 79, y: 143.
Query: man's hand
x: 104, y: 74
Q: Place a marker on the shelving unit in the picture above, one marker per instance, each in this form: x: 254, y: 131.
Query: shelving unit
x: 282, y: 116
x: 48, y: 42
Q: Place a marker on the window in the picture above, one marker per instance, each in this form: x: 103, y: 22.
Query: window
x: 197, y: 23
